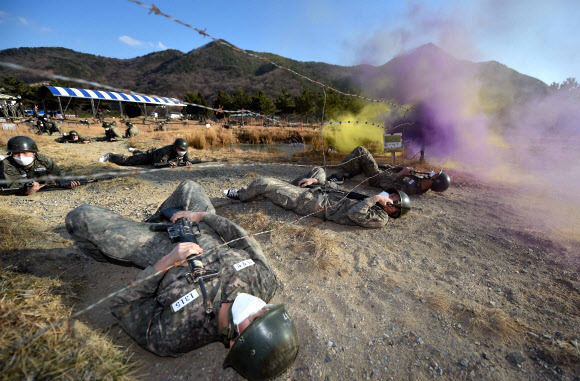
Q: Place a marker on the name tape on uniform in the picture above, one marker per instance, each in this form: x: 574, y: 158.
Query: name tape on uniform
x: 243, y: 264
x: 184, y: 300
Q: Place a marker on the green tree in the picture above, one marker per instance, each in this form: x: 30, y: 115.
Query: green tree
x: 223, y: 100
x: 198, y: 99
x: 305, y: 103
x: 262, y: 104
x: 285, y: 103
x: 241, y: 100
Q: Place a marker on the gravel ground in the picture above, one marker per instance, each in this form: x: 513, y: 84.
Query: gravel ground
x: 466, y: 286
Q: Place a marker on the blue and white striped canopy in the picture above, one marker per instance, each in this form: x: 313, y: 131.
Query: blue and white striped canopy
x: 112, y: 96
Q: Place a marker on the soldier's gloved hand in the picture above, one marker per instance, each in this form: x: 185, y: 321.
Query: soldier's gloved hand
x: 178, y: 256
x: 172, y: 164
x: 34, y: 188
x: 188, y: 163
x: 191, y: 216
x: 306, y: 182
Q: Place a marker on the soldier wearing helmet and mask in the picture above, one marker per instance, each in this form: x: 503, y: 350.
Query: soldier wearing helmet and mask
x: 25, y: 165
x: 166, y: 312
x: 73, y: 137
x: 174, y: 154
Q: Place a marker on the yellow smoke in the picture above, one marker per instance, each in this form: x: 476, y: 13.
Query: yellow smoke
x: 347, y: 136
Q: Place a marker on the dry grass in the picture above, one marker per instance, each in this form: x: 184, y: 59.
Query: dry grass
x: 28, y: 304
x: 318, y: 249
x: 562, y: 352
x: 489, y: 320
x: 20, y: 232
x: 253, y: 222
x: 436, y: 299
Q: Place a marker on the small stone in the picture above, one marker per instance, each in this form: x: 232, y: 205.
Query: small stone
x: 440, y: 372
x: 558, y: 335
x: 326, y: 358
x: 419, y: 340
x: 492, y: 303
x: 485, y: 356
x: 515, y: 358
x: 463, y: 362
x: 574, y: 343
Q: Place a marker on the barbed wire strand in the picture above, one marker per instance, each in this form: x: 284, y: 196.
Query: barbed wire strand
x: 228, y: 243
x: 157, y: 11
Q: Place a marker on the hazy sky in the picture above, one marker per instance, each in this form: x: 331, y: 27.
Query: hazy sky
x: 534, y: 37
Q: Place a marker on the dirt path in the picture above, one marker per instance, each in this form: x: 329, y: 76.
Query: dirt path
x: 463, y: 287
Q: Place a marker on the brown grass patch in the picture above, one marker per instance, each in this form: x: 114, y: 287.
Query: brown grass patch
x: 253, y: 222
x: 20, y: 232
x: 28, y: 305
x: 562, y: 352
x: 436, y: 299
x: 489, y: 320
x: 318, y: 249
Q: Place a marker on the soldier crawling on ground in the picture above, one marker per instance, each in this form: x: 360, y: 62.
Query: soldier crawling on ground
x: 131, y: 130
x: 25, y: 165
x: 312, y: 194
x: 406, y: 179
x: 73, y: 137
x: 167, y: 310
x: 111, y: 132
x: 174, y: 155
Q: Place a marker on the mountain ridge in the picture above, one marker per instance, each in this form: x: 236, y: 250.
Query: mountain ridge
x: 214, y: 67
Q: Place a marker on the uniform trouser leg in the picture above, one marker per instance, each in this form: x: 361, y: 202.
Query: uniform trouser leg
x: 139, y: 159
x: 188, y: 195
x: 279, y: 192
x: 317, y: 173
x: 104, y: 234
x: 359, y: 161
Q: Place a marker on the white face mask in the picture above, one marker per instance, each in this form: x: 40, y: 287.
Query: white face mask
x: 244, y: 306
x: 24, y: 160
x: 181, y: 153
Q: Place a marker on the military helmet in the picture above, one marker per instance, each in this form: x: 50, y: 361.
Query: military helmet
x: 128, y: 124
x: 180, y: 143
x: 441, y: 182
x: 21, y: 144
x: 266, y: 348
x: 106, y: 124
x: 403, y: 206
x: 73, y: 133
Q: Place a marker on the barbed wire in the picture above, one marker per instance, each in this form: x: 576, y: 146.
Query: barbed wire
x: 153, y: 9
x: 228, y: 243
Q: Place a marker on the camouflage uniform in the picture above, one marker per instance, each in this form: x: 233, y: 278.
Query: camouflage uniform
x: 131, y: 131
x: 16, y: 175
x: 52, y: 127
x: 316, y: 198
x: 360, y: 161
x: 151, y: 156
x: 113, y: 133
x: 69, y: 139
x: 144, y: 310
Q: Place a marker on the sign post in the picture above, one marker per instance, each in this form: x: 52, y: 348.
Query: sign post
x: 393, y: 143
